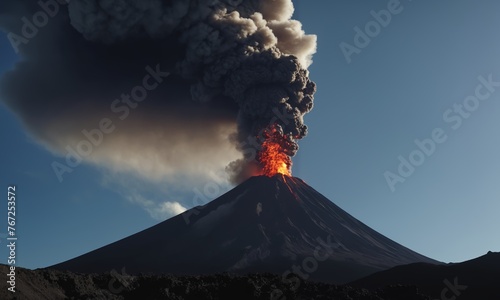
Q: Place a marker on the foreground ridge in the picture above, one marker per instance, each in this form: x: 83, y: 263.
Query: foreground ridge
x: 54, y: 285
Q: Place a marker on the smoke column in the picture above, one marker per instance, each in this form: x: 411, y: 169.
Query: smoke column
x: 236, y: 67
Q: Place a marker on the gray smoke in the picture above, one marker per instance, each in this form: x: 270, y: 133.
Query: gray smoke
x: 236, y: 67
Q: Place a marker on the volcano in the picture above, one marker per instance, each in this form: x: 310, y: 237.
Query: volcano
x: 275, y: 224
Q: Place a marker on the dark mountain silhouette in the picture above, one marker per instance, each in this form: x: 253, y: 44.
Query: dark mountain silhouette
x: 474, y: 279
x: 266, y: 224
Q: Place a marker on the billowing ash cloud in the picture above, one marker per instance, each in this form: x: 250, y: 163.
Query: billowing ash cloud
x: 234, y: 67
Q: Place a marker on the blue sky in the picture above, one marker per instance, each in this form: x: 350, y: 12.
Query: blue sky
x: 367, y: 113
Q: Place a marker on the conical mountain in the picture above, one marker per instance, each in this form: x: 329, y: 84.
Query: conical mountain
x: 266, y: 224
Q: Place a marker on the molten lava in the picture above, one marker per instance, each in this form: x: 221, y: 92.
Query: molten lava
x: 272, y: 157
x: 273, y: 160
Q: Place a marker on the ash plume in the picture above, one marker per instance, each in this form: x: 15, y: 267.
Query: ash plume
x: 233, y: 66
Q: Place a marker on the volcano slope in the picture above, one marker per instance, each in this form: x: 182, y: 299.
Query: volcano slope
x: 275, y: 224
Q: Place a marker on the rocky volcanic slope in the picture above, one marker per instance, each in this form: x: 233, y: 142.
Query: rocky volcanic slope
x: 55, y: 285
x: 266, y: 224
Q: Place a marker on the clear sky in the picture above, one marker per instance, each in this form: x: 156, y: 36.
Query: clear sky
x: 367, y: 113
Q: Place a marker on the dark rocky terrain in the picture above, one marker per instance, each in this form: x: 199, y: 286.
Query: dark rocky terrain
x: 53, y: 285
x: 476, y: 279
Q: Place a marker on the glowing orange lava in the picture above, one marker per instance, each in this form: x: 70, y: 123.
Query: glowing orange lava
x: 274, y: 160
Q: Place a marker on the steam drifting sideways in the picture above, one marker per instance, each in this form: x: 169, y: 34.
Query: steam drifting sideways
x: 234, y: 66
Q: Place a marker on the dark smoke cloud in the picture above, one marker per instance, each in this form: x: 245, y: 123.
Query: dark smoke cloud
x: 234, y: 65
